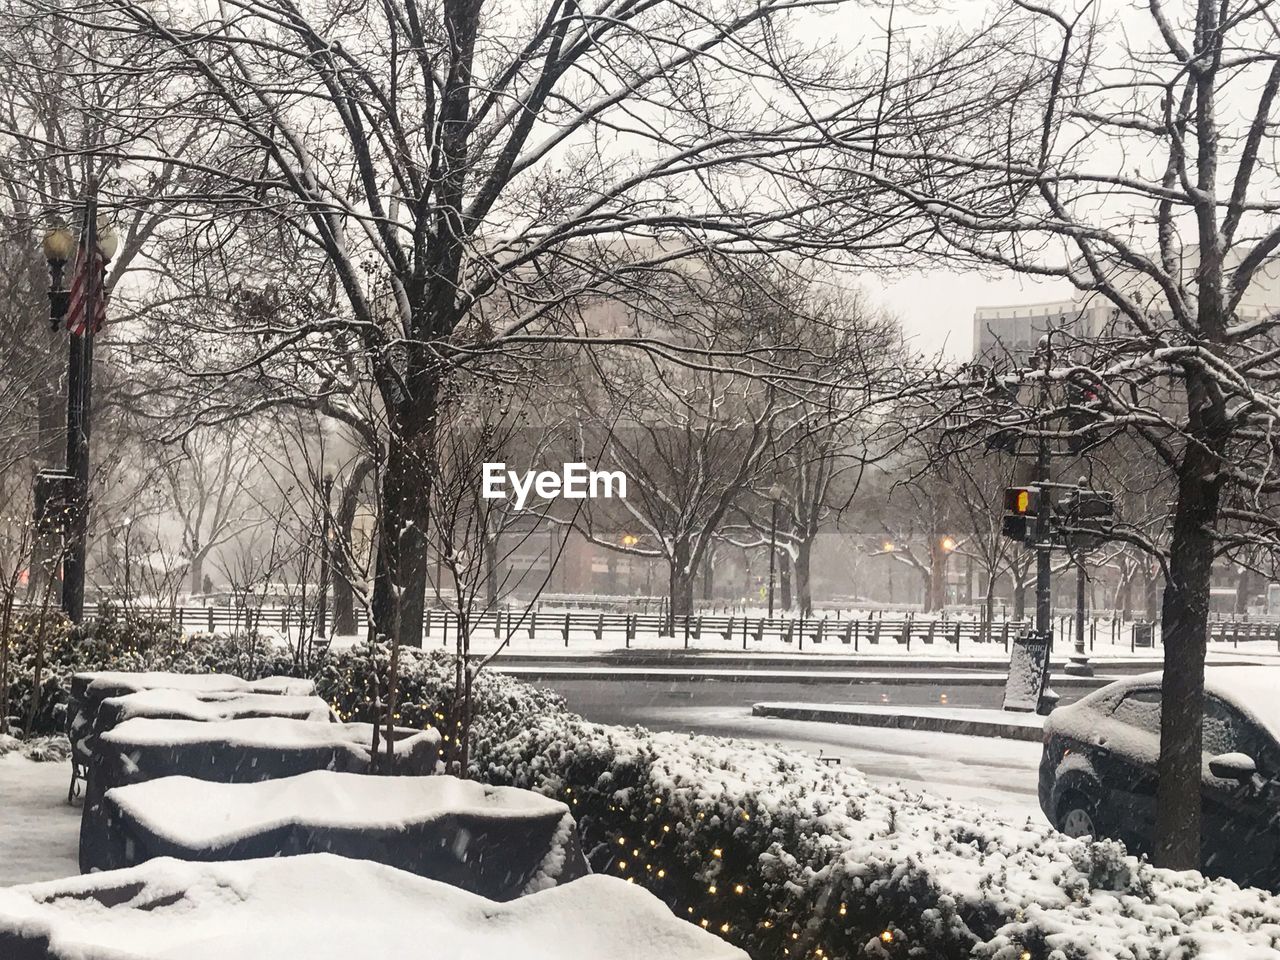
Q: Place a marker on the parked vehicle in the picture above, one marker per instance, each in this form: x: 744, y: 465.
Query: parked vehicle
x: 1098, y: 772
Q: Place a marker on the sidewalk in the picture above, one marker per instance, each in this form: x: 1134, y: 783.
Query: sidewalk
x: 973, y: 721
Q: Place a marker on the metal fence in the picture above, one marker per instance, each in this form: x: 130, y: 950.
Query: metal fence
x: 878, y: 630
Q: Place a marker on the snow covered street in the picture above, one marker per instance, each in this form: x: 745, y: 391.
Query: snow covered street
x: 999, y: 774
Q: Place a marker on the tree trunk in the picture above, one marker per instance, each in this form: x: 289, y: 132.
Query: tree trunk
x: 1124, y: 595
x: 937, y: 579
x: 341, y: 572
x: 491, y: 569
x: 804, y: 583
x: 400, y: 584
x: 1185, y: 632
x: 1152, y: 594
x: 51, y: 430
x: 784, y: 578
x: 681, y: 583
x: 708, y: 575
x: 1244, y: 591
x: 195, y: 571
x: 1019, y: 596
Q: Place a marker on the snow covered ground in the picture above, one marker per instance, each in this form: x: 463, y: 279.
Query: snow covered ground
x: 39, y: 830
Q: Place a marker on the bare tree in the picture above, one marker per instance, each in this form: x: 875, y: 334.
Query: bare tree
x: 208, y: 483
x: 1141, y: 172
x: 469, y: 180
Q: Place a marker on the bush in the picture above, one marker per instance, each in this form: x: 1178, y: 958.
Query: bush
x: 788, y: 858
x: 500, y: 706
x: 116, y: 639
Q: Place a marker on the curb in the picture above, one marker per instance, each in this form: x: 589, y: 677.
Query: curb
x: 759, y: 662
x: 901, y: 721
x: 657, y: 674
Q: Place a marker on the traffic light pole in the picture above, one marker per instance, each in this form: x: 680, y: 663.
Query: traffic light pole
x: 1044, y: 518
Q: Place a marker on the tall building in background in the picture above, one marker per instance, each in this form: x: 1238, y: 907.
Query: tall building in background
x: 1008, y: 334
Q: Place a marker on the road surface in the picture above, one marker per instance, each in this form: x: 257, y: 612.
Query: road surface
x: 1000, y: 774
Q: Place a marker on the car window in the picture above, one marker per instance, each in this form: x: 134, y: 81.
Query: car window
x: 1139, y: 709
x: 1226, y: 731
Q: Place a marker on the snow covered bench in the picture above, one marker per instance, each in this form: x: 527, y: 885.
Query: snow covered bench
x: 233, y: 751
x: 499, y: 842
x: 323, y: 907
x: 90, y: 689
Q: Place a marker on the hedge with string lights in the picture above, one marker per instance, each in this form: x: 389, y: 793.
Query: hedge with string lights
x: 753, y: 868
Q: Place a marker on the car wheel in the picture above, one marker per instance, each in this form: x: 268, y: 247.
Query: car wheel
x: 1078, y: 816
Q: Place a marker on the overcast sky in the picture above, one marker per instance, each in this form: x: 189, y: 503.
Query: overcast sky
x: 936, y: 307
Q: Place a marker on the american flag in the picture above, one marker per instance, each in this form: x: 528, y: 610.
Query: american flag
x: 87, y: 287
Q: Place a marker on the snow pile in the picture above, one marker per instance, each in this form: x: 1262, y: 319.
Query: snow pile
x: 204, y: 814
x: 787, y: 857
x: 171, y: 704
x: 104, y: 683
x: 495, y: 841
x: 273, y: 733
x: 322, y: 907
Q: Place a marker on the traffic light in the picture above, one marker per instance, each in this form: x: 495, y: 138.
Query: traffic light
x: 1021, y: 513
x: 1089, y: 516
x: 1082, y: 404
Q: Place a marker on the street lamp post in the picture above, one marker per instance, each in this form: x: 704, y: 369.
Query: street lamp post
x: 59, y: 246
x: 776, y: 493
x: 773, y: 550
x: 326, y: 487
x: 1078, y: 664
x: 888, y: 548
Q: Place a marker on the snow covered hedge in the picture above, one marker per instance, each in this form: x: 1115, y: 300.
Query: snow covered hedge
x: 788, y: 858
x: 44, y: 651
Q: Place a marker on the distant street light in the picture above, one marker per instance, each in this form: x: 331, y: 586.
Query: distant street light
x: 630, y: 539
x: 948, y: 544
x: 776, y: 492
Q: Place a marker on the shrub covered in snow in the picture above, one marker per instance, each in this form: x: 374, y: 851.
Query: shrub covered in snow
x: 790, y: 859
x: 55, y: 748
x: 500, y: 706
x: 44, y: 651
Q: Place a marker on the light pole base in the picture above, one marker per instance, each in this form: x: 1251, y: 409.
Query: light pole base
x: 1079, y: 666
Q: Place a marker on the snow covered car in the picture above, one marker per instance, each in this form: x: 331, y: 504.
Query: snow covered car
x: 1098, y: 769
